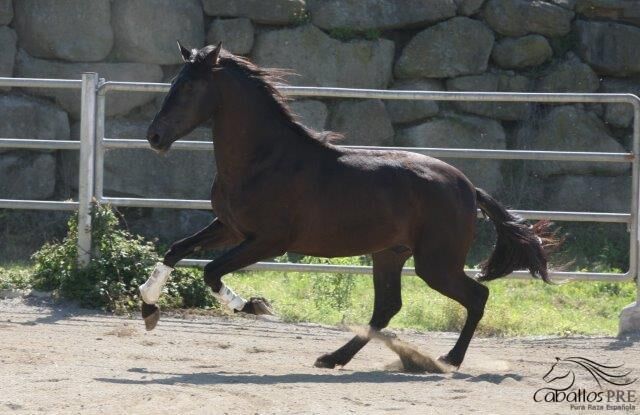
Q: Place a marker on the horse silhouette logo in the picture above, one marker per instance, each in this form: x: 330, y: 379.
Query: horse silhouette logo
x: 564, y: 374
x: 602, y: 374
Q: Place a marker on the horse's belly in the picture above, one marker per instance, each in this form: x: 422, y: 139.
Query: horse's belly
x: 347, y: 239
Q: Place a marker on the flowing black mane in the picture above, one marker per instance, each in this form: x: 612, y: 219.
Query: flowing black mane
x: 267, y: 80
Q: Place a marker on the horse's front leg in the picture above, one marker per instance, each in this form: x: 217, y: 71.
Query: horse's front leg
x: 215, y: 235
x: 248, y: 252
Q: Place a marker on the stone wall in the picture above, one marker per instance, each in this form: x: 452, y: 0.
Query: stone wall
x: 455, y: 45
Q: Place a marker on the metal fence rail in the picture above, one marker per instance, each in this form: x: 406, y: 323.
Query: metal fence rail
x: 462, y: 153
x: 526, y: 214
x: 106, y: 143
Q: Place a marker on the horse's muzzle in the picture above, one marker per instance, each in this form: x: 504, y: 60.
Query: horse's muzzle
x: 156, y: 142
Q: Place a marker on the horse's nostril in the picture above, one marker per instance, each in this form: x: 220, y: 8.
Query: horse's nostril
x: 154, y: 139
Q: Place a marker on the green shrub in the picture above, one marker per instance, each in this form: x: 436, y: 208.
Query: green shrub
x: 332, y: 290
x: 300, y: 18
x: 120, y: 263
x: 15, y: 278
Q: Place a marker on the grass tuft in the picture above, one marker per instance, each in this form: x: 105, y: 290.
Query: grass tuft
x: 514, y: 308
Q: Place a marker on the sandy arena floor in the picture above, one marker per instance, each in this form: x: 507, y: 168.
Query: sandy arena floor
x: 61, y: 359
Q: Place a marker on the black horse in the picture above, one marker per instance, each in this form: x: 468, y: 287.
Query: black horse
x: 283, y: 187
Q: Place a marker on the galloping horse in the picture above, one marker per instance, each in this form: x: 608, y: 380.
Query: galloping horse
x: 283, y: 187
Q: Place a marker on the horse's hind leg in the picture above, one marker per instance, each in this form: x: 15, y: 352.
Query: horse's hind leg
x: 448, y: 278
x: 387, y: 268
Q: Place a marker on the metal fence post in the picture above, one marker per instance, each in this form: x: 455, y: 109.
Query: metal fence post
x: 630, y: 315
x: 99, y: 150
x: 86, y: 168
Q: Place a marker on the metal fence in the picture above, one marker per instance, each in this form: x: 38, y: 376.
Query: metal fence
x: 93, y: 145
x: 105, y: 143
x: 88, y: 87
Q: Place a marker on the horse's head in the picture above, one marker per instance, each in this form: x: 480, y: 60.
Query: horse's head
x: 190, y: 101
x: 559, y: 370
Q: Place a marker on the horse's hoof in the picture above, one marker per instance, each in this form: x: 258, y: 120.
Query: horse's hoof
x: 326, y: 361
x: 257, y: 306
x: 151, y: 315
x: 449, y: 363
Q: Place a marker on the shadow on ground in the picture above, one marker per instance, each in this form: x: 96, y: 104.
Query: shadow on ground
x: 218, y: 378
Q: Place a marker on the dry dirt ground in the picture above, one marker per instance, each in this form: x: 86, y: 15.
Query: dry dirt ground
x: 62, y: 359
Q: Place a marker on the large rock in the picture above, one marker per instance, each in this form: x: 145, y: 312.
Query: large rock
x: 522, y: 52
x: 493, y: 82
x: 117, y: 102
x: 589, y: 194
x: 23, y: 232
x: 363, y: 123
x: 6, y: 12
x: 469, y: 7
x: 73, y: 30
x: 378, y: 14
x: 143, y: 173
x: 405, y: 111
x: 272, y: 12
x: 570, y: 128
x: 627, y: 11
x: 32, y: 118
x: 620, y: 115
x: 7, y: 51
x: 610, y: 48
x: 520, y: 17
x: 567, y: 4
x: 311, y: 113
x: 459, y: 46
x: 136, y: 40
x: 236, y: 35
x: 323, y: 61
x: 456, y: 131
x: 569, y: 75
x: 27, y: 175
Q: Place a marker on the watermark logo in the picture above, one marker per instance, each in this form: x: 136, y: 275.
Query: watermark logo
x: 585, y: 384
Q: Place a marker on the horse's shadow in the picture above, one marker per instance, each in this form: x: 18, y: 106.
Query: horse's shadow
x: 58, y: 311
x: 494, y: 378
x: 623, y: 342
x: 250, y: 378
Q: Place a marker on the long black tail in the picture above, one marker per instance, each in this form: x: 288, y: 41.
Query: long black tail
x: 519, y: 245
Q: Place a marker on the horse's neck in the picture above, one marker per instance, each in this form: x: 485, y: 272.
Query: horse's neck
x: 245, y: 129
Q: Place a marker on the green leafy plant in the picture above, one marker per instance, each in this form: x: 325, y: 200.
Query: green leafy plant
x: 300, y: 18
x: 333, y: 290
x: 120, y: 263
x: 15, y: 278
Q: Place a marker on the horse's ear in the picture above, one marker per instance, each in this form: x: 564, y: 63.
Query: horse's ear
x: 186, y: 53
x: 212, y: 57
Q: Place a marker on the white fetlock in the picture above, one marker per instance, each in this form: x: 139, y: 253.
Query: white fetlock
x: 231, y: 299
x: 150, y: 291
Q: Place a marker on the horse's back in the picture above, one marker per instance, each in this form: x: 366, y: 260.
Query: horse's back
x: 412, y: 174
x: 385, y: 197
